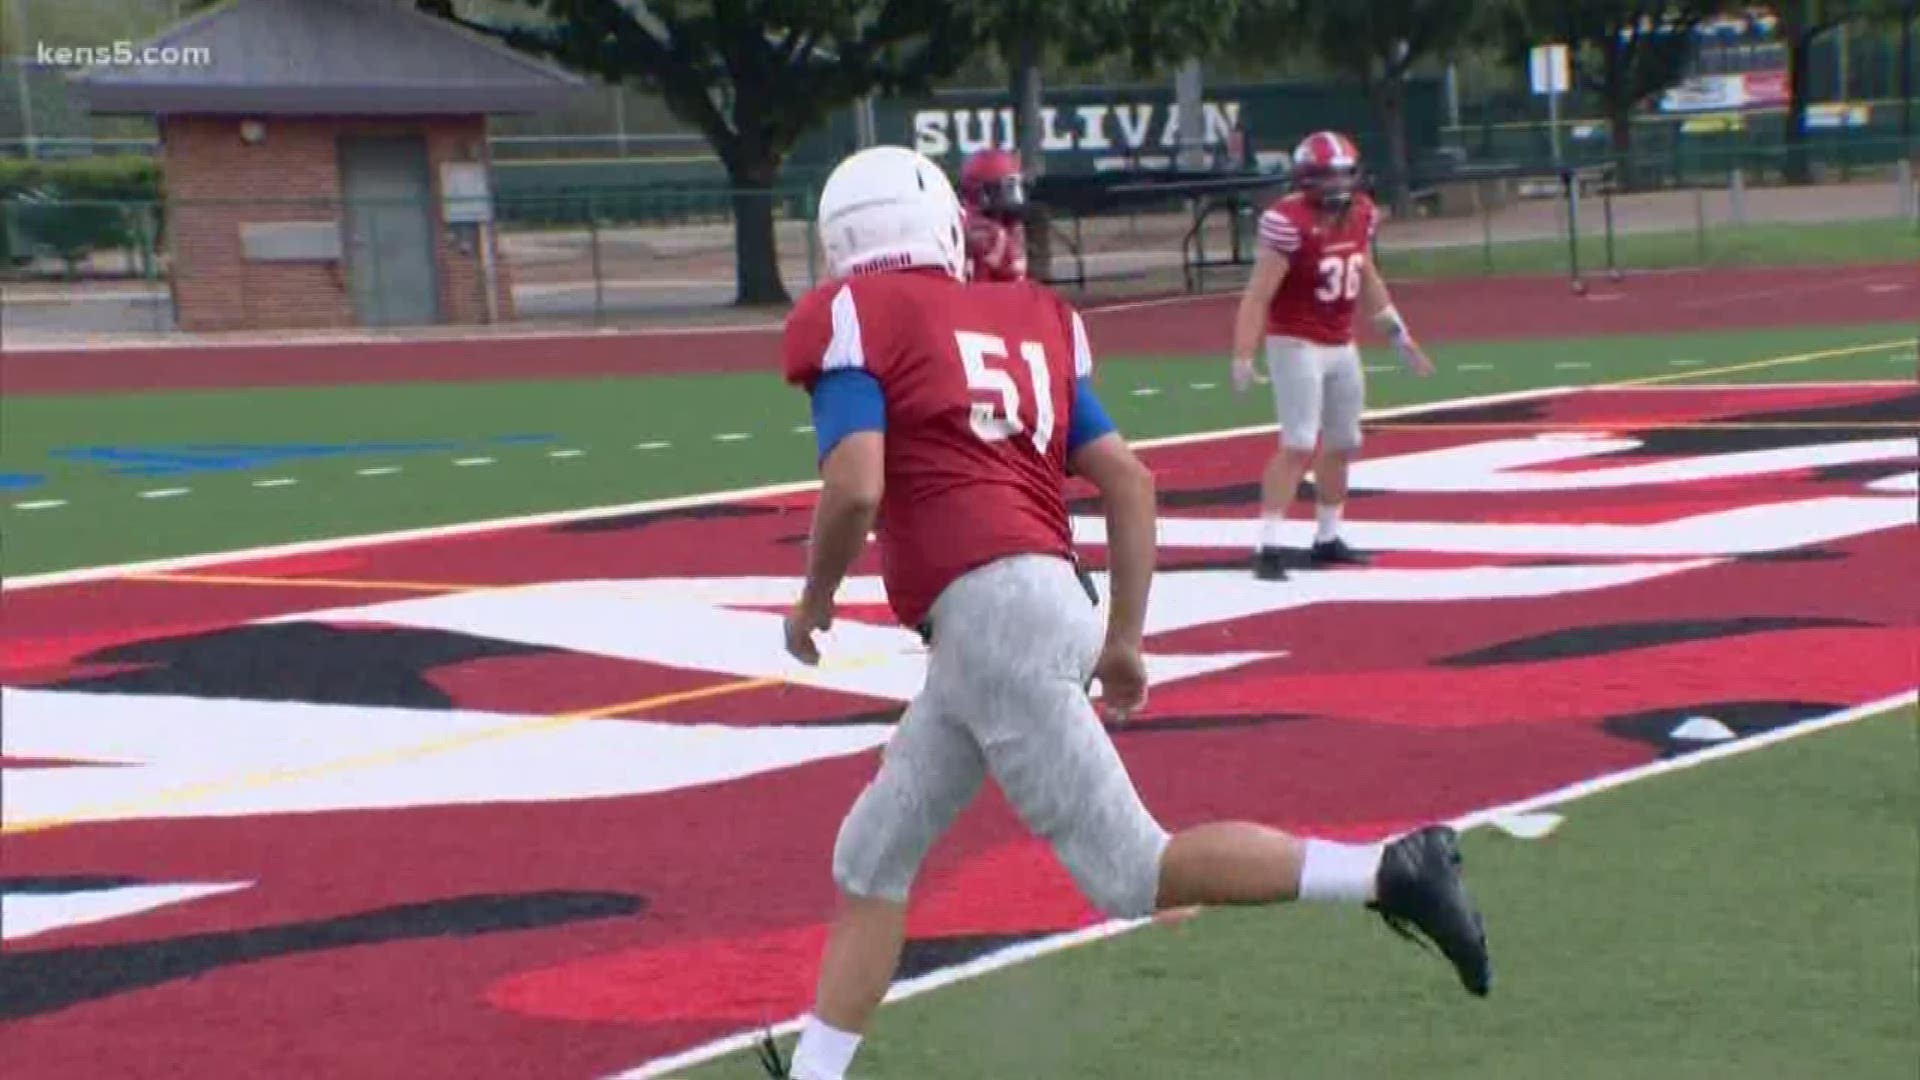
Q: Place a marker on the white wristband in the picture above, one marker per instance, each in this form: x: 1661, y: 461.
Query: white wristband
x: 1387, y: 320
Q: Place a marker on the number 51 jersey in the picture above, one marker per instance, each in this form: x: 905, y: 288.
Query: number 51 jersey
x: 978, y: 381
x: 1316, y: 300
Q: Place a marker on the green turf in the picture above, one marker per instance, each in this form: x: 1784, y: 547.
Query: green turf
x: 1770, y: 244
x: 106, y: 520
x: 1754, y: 918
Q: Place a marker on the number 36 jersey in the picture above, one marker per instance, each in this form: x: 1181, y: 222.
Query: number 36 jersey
x: 978, y: 382
x: 1316, y: 300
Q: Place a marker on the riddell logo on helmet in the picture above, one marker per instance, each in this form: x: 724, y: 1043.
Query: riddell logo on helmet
x: 892, y: 260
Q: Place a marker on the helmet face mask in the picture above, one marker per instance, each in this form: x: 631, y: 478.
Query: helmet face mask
x: 1004, y: 200
x: 1326, y: 167
x: 992, y: 186
x: 1332, y: 188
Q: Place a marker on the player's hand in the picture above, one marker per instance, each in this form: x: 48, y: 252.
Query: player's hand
x: 1122, y: 672
x: 808, y: 617
x: 1244, y: 375
x: 1412, y: 355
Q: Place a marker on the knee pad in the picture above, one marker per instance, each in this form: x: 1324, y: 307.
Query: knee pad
x: 1302, y: 439
x: 880, y: 845
x: 1344, y: 438
x: 1124, y: 883
x: 1112, y: 847
x: 895, y: 821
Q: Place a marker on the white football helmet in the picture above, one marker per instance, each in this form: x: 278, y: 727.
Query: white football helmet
x: 889, y: 208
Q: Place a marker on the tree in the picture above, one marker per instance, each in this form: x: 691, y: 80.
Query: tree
x: 1802, y: 24
x: 1026, y: 33
x: 1904, y: 16
x: 751, y: 75
x: 1377, y: 43
x: 1146, y: 32
x: 1626, y: 51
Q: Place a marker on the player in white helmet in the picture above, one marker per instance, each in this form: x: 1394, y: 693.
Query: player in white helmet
x: 948, y: 416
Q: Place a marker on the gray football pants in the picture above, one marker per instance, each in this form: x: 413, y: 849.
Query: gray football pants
x: 1013, y: 646
x: 1319, y: 392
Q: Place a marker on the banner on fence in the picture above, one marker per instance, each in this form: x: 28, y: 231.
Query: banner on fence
x: 1721, y: 93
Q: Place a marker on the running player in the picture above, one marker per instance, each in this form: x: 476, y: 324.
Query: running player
x: 948, y: 416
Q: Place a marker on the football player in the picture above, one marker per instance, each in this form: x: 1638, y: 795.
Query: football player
x: 1313, y: 270
x: 993, y: 197
x: 948, y: 416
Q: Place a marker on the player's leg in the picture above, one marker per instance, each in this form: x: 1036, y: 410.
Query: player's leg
x: 929, y: 771
x: 1344, y: 402
x: 1413, y: 882
x: 1026, y: 642
x: 1294, y: 372
x: 1024, y: 696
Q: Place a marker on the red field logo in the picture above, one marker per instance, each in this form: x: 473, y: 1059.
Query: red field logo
x: 553, y: 796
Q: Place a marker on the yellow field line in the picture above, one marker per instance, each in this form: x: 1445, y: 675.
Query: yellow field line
x: 399, y: 755
x: 249, y: 781
x: 189, y: 578
x: 1759, y: 365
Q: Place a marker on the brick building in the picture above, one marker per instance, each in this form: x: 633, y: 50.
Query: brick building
x: 329, y: 166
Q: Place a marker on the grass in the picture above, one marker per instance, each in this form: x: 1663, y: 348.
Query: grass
x: 1754, y: 918
x: 1825, y: 243
x: 105, y: 519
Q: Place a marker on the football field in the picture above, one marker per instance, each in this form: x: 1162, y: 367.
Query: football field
x: 440, y: 728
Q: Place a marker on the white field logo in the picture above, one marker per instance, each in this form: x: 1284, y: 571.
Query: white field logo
x: 122, y: 54
x: 132, y: 753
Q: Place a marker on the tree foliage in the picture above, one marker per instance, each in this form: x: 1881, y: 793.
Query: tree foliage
x: 1627, y: 52
x: 1375, y: 43
x: 1802, y: 24
x: 752, y: 76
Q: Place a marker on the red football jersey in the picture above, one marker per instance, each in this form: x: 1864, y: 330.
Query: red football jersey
x: 978, y: 380
x: 995, y: 251
x: 1317, y: 299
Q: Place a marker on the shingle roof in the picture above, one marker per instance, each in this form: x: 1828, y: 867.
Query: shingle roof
x: 329, y: 56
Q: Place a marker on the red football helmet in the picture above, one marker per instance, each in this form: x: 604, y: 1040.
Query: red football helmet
x: 1326, y: 165
x: 991, y: 185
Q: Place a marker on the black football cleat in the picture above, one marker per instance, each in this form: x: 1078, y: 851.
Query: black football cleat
x: 1335, y: 552
x: 1421, y: 896
x: 768, y: 1052
x: 1270, y: 564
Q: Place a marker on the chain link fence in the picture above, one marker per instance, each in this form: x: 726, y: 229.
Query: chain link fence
x: 619, y: 255
x: 82, y: 267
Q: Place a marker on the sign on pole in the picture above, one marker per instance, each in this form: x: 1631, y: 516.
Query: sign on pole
x: 1548, y: 69
x: 1550, y: 72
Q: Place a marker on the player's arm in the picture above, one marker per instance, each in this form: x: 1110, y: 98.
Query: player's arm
x: 853, y: 480
x: 1097, y: 453
x: 849, y: 420
x: 825, y: 352
x: 1376, y: 302
x: 1276, y: 247
x: 1127, y: 494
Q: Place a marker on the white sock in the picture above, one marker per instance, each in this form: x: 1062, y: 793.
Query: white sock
x: 824, y: 1052
x: 1329, y: 529
x: 1331, y: 871
x: 1272, y: 528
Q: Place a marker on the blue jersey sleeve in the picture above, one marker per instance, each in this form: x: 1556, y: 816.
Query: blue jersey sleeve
x: 846, y: 401
x: 1089, y: 420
